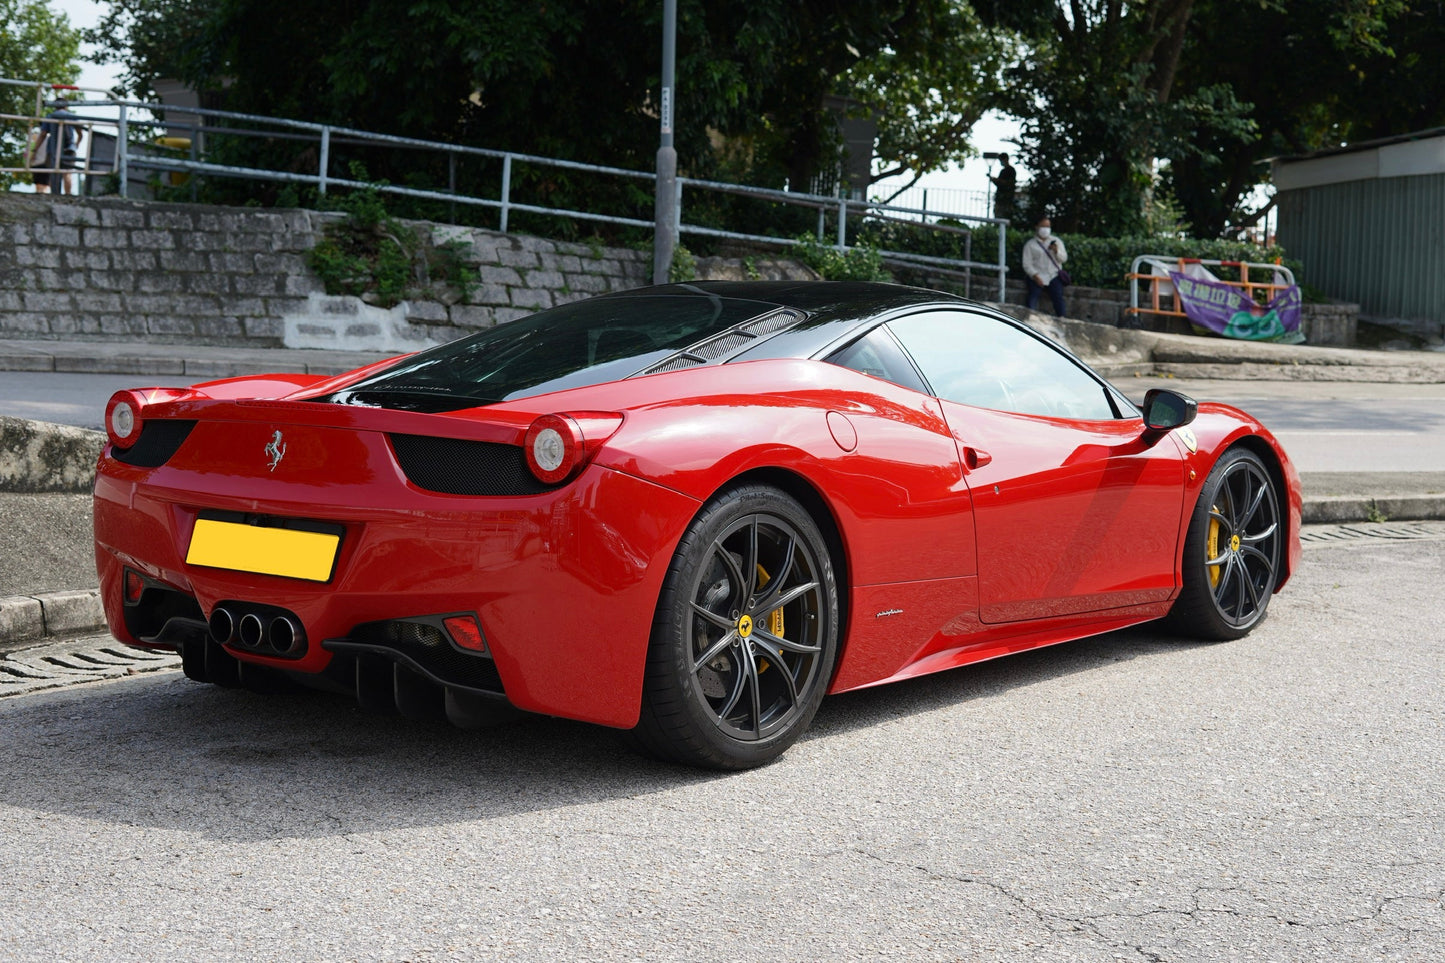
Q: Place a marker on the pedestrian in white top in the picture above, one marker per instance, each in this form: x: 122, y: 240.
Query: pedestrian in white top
x: 1044, y: 258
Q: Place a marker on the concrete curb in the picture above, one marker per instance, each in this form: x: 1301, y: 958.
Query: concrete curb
x: 1328, y: 509
x: 31, y: 618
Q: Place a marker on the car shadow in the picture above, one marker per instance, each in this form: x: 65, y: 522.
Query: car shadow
x: 870, y: 707
x: 229, y: 765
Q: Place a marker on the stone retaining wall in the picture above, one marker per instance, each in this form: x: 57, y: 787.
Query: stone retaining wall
x: 111, y: 269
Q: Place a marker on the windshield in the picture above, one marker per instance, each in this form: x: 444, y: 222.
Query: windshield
x: 572, y: 346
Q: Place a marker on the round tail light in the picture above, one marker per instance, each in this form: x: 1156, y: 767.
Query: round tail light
x: 554, y: 447
x: 123, y: 418
x: 558, y: 445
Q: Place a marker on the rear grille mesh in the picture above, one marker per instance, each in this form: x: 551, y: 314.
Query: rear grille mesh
x: 160, y: 438
x: 454, y: 466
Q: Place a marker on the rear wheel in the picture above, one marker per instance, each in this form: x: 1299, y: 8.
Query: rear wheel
x: 745, y: 634
x: 1232, y: 552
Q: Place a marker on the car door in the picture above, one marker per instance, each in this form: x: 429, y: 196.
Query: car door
x: 1075, y: 509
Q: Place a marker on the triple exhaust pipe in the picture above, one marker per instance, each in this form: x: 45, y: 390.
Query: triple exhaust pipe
x: 279, y: 634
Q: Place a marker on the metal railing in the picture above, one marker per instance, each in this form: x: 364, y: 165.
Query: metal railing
x: 133, y: 154
x: 1161, y: 287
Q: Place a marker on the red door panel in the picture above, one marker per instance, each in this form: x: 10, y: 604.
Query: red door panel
x: 1070, y: 516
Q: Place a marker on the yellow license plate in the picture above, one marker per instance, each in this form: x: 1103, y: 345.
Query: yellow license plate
x: 265, y: 551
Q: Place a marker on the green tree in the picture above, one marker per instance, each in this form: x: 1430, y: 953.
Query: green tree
x: 151, y: 40
x: 36, y: 44
x: 1316, y: 73
x: 1096, y: 96
x: 928, y: 92
x: 575, y: 80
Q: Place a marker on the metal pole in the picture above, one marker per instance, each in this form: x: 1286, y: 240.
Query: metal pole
x: 120, y: 158
x: 452, y: 183
x: 664, y: 238
x: 506, y: 191
x: 325, y: 159
x: 842, y: 219
x: 1002, y: 267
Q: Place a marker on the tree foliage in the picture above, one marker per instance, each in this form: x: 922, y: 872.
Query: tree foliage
x: 1202, y: 92
x: 1316, y: 73
x: 1097, y: 100
x: 927, y: 95
x: 580, y: 79
x: 38, y: 44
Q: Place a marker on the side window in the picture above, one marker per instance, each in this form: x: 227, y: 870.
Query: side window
x: 877, y: 354
x: 981, y: 361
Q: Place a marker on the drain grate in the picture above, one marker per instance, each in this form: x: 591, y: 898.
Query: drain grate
x: 1331, y: 534
x: 80, y: 660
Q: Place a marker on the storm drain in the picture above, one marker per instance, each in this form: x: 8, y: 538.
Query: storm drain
x: 67, y: 663
x: 1332, y: 534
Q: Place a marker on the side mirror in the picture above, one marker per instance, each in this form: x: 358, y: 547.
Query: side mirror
x: 1165, y: 409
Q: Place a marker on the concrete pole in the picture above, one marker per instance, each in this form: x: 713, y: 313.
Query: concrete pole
x: 665, y: 202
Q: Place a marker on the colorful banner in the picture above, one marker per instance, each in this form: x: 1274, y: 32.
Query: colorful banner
x: 1227, y: 310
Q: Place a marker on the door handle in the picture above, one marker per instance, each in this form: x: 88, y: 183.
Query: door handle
x: 975, y: 457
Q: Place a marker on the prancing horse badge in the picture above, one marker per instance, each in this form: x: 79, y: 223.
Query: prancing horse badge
x: 276, y: 450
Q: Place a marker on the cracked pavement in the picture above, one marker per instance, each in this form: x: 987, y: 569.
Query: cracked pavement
x: 1128, y: 797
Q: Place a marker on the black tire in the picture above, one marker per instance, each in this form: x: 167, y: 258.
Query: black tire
x: 745, y: 634
x: 1233, y: 551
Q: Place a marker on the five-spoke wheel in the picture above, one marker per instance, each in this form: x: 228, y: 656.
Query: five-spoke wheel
x: 1233, y: 550
x: 745, y: 634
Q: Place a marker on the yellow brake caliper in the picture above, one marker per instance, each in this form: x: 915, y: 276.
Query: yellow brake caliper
x: 775, y: 617
x: 1211, y: 549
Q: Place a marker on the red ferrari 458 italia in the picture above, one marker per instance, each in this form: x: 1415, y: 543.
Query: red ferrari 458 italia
x: 686, y: 511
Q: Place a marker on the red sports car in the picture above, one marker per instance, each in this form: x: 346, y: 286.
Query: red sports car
x: 686, y: 511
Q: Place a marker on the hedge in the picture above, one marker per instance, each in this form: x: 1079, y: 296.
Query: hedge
x: 1097, y: 262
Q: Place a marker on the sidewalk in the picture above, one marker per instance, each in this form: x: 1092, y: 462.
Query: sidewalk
x: 47, y: 574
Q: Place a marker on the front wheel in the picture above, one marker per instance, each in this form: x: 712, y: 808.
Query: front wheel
x: 745, y: 634
x: 1232, y: 552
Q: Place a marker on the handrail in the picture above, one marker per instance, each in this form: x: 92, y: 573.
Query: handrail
x: 129, y: 156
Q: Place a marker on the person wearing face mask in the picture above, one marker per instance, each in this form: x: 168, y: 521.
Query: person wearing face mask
x: 1044, y: 258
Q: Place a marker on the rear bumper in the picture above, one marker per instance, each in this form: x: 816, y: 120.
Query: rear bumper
x: 564, y: 583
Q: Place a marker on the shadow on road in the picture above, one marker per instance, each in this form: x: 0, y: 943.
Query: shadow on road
x: 161, y: 751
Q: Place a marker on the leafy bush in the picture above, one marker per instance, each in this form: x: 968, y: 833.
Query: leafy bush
x: 1099, y: 262
x: 862, y: 262
x: 374, y: 256
x: 683, y: 267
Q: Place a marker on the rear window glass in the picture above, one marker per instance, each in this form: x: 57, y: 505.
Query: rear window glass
x: 572, y: 346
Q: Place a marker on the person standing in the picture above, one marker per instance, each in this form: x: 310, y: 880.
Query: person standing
x: 39, y: 160
x: 1004, y: 186
x: 61, y: 130
x: 1044, y: 257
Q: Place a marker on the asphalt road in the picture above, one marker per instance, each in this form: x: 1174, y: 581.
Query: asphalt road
x: 1129, y: 797
x: 1335, y: 426
x: 64, y: 398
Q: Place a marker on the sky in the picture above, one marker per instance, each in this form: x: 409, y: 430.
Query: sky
x: 990, y: 135
x: 87, y: 13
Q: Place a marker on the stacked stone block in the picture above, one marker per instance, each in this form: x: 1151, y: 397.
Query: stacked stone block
x: 118, y: 270
x: 106, y: 269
